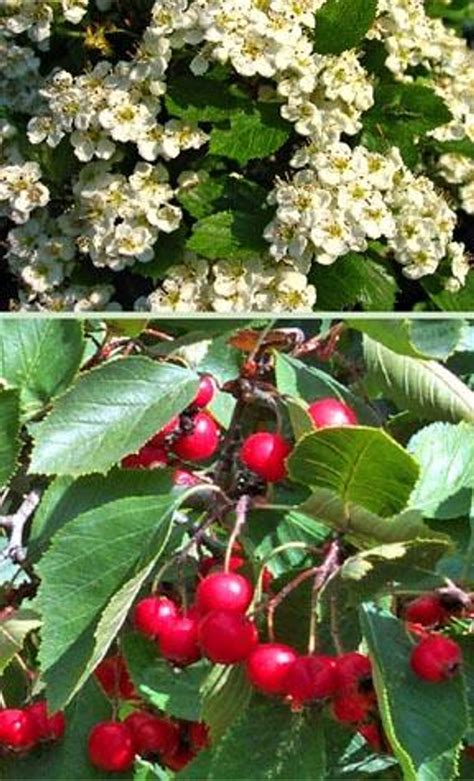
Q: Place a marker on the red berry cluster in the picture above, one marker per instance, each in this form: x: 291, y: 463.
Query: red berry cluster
x: 113, y: 745
x: 193, y: 436
x: 21, y: 729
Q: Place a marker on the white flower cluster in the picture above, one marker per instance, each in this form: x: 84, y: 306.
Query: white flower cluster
x: 230, y: 286
x: 458, y: 169
x: 19, y: 77
x: 344, y: 198
x: 21, y: 191
x: 36, y: 17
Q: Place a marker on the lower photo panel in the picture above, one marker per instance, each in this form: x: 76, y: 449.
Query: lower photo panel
x: 237, y: 549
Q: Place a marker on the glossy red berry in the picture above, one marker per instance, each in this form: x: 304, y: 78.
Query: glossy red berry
x: 147, y: 458
x: 179, y: 760
x: 226, y: 637
x: 332, y: 412
x: 113, y: 676
x: 206, y: 391
x: 198, y: 735
x: 426, y: 610
x: 265, y: 453
x: 179, y: 642
x: 436, y: 658
x: 17, y: 729
x: 224, y: 591
x: 373, y: 735
x: 310, y: 678
x: 153, y: 615
x: 202, y: 442
x: 268, y: 665
x: 152, y: 735
x: 351, y: 707
x: 354, y: 670
x: 159, y: 440
x: 47, y: 727
x: 111, y: 747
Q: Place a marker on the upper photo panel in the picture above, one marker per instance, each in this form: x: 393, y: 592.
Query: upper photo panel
x: 236, y: 155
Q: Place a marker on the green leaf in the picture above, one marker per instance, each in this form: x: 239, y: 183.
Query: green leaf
x: 294, y: 378
x: 342, y: 24
x: 447, y: 450
x: 361, y: 465
x: 255, y: 135
x: 269, y: 742
x: 301, y: 420
x: 230, y: 235
x: 215, y: 194
x: 89, y: 560
x: 354, y: 279
x: 423, y: 387
x: 415, y: 338
x: 110, y: 412
x: 461, y: 301
x: 9, y: 431
x: 226, y: 695
x: 424, y: 722
x: 40, y: 357
x: 14, y: 628
x: 200, y: 99
x: 168, y: 251
x: 176, y: 691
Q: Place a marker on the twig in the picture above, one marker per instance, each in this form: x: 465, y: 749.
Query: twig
x: 329, y: 566
x: 241, y: 511
x: 15, y: 525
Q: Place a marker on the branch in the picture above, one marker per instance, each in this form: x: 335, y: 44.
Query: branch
x: 15, y: 524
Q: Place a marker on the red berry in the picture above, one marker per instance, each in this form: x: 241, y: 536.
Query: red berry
x: 268, y: 665
x: 373, y: 735
x: 202, y: 442
x: 206, y: 391
x: 224, y: 591
x: 198, y: 735
x: 149, y: 456
x: 153, y: 615
x: 111, y: 746
x: 177, y: 761
x: 47, y: 727
x: 353, y: 670
x: 331, y: 412
x: 227, y: 638
x: 436, y: 658
x: 267, y: 580
x: 152, y: 735
x: 159, y: 439
x: 185, y: 478
x: 179, y: 642
x: 426, y: 610
x: 265, y: 453
x: 351, y: 707
x: 17, y: 729
x: 311, y: 678
x: 113, y: 676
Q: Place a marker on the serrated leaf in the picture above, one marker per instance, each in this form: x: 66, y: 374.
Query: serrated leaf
x: 300, y: 419
x: 226, y: 694
x: 201, y: 99
x: 416, y: 338
x: 414, y: 712
x: 423, y: 387
x: 215, y: 194
x: 251, y: 135
x: 89, y: 560
x: 354, y: 279
x: 230, y: 235
x: 14, y: 628
x: 361, y: 465
x: 176, y: 691
x: 342, y: 24
x: 40, y: 357
x: 447, y: 450
x: 9, y: 433
x: 110, y: 412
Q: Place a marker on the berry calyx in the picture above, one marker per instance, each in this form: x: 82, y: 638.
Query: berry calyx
x: 351, y: 708
x: 268, y: 665
x: 47, y: 727
x: 332, y: 412
x: 224, y: 591
x: 17, y: 729
x: 354, y: 672
x: 227, y: 638
x: 265, y: 453
x: 436, y: 658
x: 202, y: 442
x: 111, y: 746
x: 179, y: 641
x: 206, y: 391
x: 152, y: 735
x: 148, y: 457
x: 310, y: 678
x: 426, y: 610
x: 113, y: 676
x: 153, y: 615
